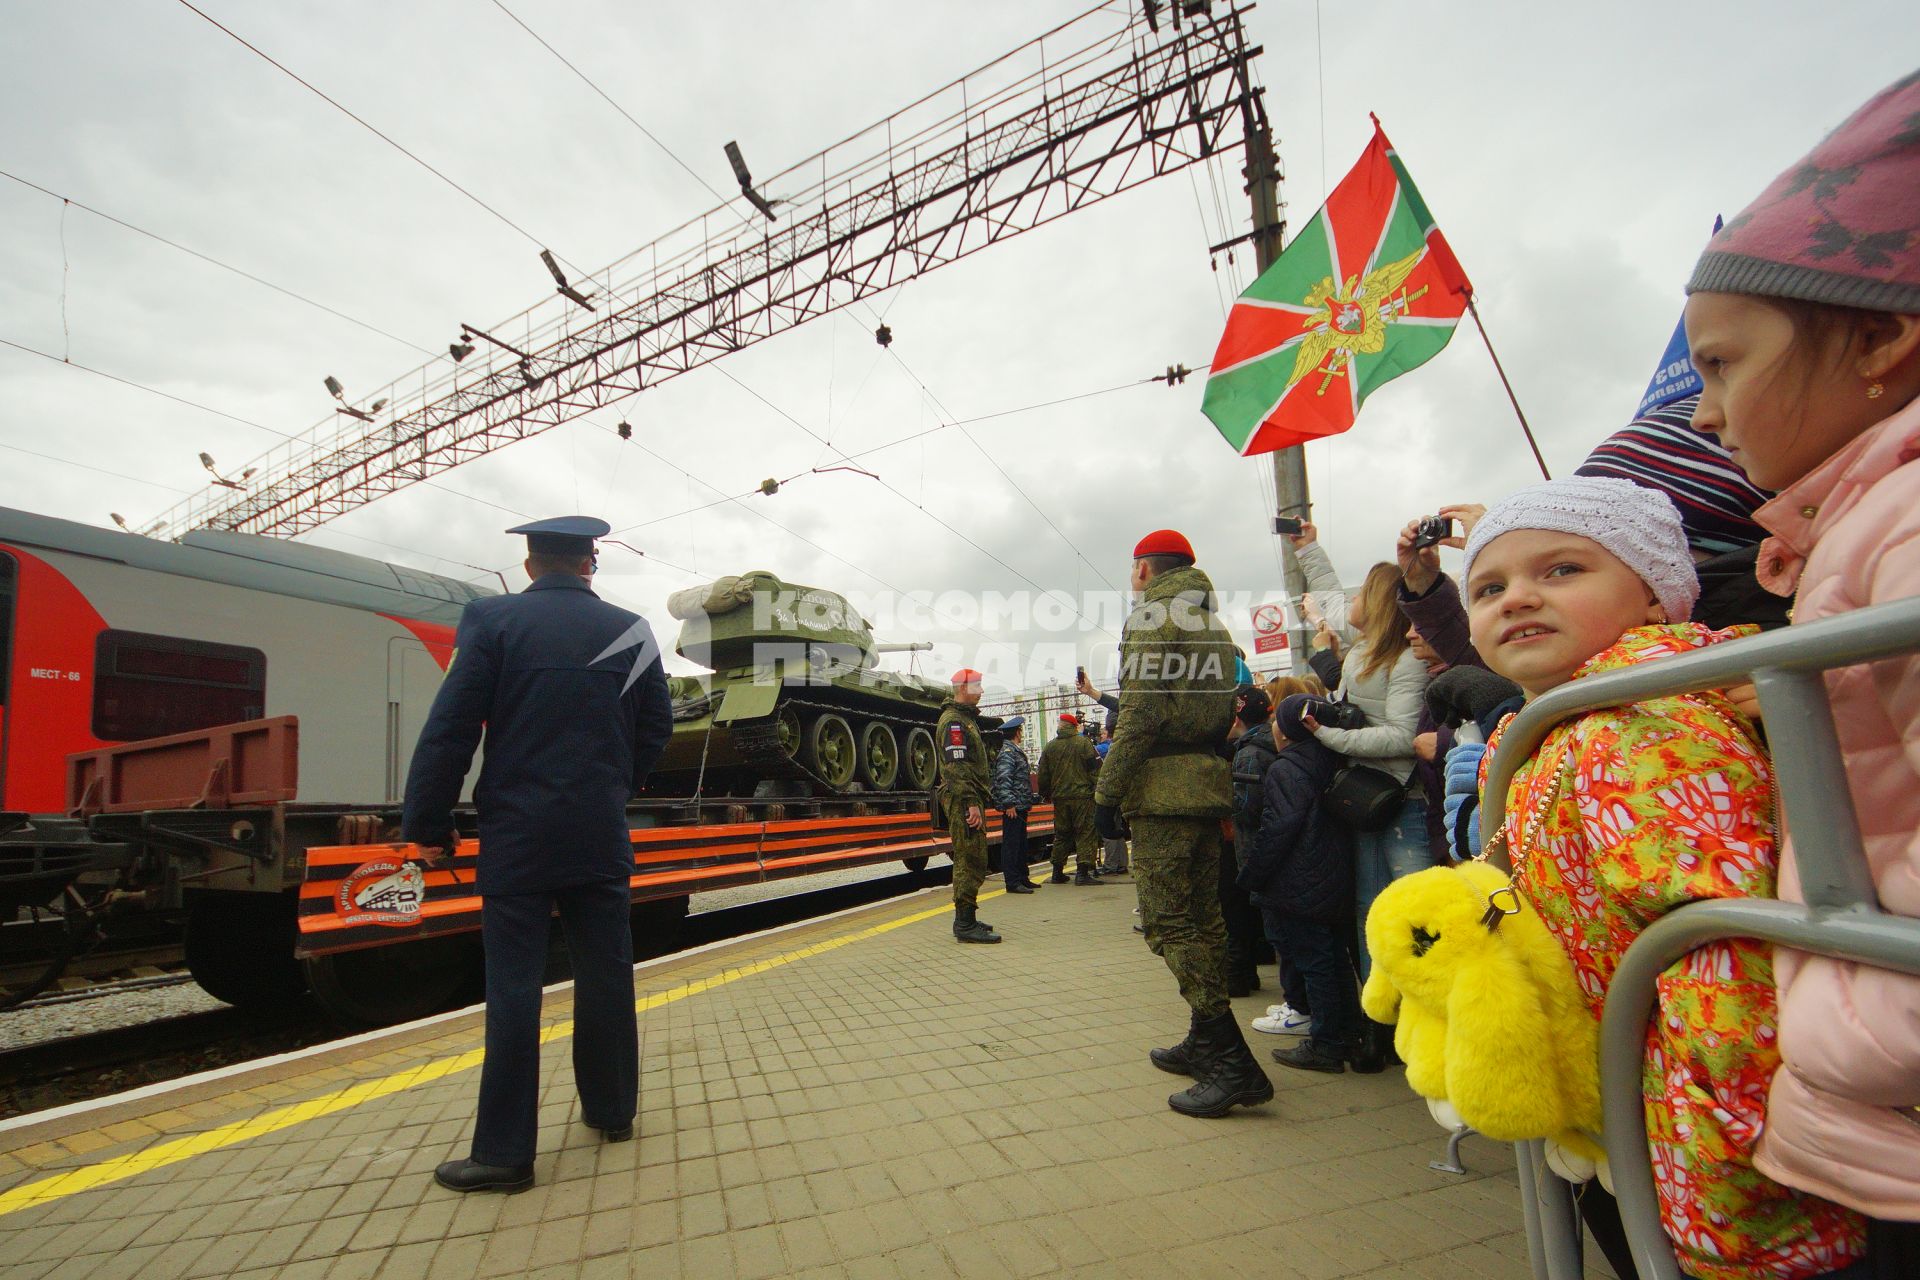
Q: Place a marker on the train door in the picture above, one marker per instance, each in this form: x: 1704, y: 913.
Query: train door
x: 8, y: 577
x: 413, y: 678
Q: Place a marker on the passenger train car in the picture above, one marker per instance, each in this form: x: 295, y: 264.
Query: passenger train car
x: 110, y: 637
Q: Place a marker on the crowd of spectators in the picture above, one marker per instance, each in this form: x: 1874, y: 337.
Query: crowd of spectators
x: 1782, y: 1089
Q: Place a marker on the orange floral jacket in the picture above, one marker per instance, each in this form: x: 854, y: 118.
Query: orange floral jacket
x: 1621, y: 816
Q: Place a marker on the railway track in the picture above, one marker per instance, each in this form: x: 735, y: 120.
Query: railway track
x: 92, y: 1064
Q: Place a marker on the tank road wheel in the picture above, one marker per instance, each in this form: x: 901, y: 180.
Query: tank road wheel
x: 922, y: 766
x: 401, y: 982
x: 239, y: 948
x: 879, y: 756
x: 786, y: 723
x: 830, y: 751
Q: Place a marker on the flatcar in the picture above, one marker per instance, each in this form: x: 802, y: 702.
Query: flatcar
x: 182, y: 723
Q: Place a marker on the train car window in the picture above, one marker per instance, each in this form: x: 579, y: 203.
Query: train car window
x: 148, y: 686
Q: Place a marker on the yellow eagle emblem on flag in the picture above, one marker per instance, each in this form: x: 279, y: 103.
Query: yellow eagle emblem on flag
x: 1349, y: 320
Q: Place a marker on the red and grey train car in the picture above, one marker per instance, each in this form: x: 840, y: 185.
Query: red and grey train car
x: 203, y: 731
x: 109, y: 638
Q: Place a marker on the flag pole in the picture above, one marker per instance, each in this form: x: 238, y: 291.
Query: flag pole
x: 1513, y: 400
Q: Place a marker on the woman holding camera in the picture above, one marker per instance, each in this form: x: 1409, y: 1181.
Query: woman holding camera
x: 1383, y: 678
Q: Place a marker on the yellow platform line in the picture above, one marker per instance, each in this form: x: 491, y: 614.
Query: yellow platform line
x: 73, y: 1181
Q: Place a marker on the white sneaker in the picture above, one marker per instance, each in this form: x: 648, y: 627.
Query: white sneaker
x: 1282, y: 1020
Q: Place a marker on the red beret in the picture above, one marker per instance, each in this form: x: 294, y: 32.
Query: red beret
x: 967, y: 675
x: 1164, y: 542
x: 1067, y: 717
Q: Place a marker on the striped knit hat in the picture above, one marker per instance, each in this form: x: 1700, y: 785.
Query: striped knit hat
x: 1841, y: 226
x: 1660, y: 450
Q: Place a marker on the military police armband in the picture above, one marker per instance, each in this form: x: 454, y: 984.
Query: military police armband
x: 956, y: 742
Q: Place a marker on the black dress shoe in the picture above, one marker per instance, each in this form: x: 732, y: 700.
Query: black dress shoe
x: 471, y: 1175
x: 1019, y: 888
x: 613, y: 1133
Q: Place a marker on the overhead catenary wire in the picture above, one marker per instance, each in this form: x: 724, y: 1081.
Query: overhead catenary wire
x: 794, y: 533
x: 826, y: 441
x: 221, y: 413
x: 1004, y: 474
x: 213, y: 261
x: 310, y: 87
x: 608, y: 99
x: 890, y: 487
x: 909, y: 438
x: 88, y: 466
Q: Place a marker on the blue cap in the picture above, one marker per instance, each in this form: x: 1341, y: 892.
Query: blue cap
x: 1012, y: 722
x: 563, y: 535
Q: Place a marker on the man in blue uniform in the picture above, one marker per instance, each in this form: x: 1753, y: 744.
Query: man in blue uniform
x: 572, y: 697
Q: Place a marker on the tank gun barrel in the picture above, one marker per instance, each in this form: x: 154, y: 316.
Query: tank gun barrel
x: 903, y: 646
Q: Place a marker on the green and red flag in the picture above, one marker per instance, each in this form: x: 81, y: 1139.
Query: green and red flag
x: 1367, y: 292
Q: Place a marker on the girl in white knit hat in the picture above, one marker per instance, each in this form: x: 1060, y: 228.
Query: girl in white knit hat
x: 1624, y: 814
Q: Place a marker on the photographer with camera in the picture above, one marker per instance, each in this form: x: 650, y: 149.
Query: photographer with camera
x: 1384, y: 679
x: 1439, y: 638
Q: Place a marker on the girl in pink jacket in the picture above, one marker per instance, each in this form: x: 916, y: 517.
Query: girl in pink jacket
x: 1804, y: 321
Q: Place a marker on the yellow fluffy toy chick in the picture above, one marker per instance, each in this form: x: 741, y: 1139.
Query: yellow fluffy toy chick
x: 1488, y: 1019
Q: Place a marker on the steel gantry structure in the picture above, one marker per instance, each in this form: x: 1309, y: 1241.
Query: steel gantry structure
x: 1029, y: 138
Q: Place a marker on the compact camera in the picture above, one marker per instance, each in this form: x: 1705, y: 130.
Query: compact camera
x: 1432, y: 530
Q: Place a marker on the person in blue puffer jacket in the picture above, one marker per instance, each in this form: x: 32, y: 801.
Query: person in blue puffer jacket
x: 1012, y: 794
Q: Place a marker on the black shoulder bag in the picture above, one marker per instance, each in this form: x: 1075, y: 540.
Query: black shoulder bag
x: 1361, y: 797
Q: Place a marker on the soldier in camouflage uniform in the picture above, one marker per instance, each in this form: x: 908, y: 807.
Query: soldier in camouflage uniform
x: 1067, y: 767
x: 965, y: 788
x: 1165, y: 776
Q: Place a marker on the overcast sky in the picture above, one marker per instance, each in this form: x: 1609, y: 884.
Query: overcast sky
x: 1575, y: 156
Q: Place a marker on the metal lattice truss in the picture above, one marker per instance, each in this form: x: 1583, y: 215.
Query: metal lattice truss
x: 1013, y: 146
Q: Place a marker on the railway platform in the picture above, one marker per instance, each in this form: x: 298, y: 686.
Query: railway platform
x: 856, y: 1095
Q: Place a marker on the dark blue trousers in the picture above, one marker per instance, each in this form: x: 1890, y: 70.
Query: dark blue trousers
x: 1318, y: 952
x: 606, y: 1042
x: 1013, y: 848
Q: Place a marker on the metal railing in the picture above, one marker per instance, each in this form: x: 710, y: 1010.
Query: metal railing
x: 1841, y: 916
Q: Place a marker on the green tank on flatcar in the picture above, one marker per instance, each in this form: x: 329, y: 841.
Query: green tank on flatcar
x: 795, y: 694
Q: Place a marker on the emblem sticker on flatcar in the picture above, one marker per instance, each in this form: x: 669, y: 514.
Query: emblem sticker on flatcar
x: 384, y: 891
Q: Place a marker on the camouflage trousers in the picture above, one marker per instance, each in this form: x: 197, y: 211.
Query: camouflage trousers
x: 1073, y: 833
x: 1176, y: 871
x: 969, y: 856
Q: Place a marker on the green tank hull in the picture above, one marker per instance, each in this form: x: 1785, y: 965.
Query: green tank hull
x: 795, y: 703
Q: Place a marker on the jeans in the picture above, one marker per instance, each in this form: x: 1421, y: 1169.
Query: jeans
x: 1013, y: 847
x: 1320, y: 955
x: 1381, y: 857
x: 1115, y: 859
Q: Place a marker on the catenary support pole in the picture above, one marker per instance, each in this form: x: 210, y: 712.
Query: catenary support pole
x: 1290, y: 464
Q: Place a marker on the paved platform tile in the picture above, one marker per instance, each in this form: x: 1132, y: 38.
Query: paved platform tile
x: 858, y: 1096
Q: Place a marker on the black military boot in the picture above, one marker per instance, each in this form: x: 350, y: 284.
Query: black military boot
x: 1226, y: 1074
x: 1370, y: 1056
x: 966, y: 928
x: 1315, y: 1055
x: 1177, y: 1060
x: 1084, y: 876
x: 1059, y: 877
